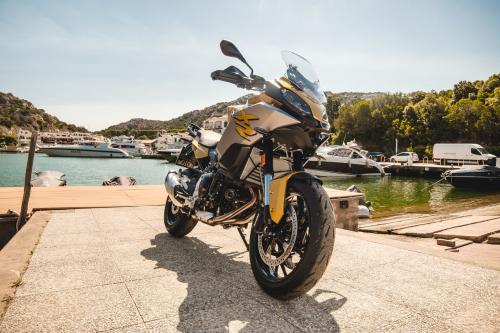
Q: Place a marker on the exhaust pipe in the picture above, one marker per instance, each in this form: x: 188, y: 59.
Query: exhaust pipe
x: 171, y: 182
x: 229, y: 217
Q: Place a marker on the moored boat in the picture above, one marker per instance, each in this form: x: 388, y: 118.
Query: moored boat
x: 85, y: 149
x: 482, y: 177
x: 133, y: 147
x: 342, y: 160
x: 49, y: 179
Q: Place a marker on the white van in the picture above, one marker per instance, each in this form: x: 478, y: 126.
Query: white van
x: 461, y: 153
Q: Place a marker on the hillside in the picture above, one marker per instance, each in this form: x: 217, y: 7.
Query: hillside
x: 19, y: 113
x: 139, y: 126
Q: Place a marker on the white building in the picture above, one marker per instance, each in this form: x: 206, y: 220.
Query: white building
x: 23, y: 137
x: 69, y: 137
x: 169, y: 141
x: 216, y: 124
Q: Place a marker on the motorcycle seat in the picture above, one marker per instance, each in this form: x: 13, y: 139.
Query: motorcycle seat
x: 208, y: 138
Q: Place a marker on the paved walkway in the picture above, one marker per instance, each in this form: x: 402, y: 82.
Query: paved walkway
x: 117, y: 270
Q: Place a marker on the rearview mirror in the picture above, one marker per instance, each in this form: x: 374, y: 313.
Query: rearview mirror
x: 230, y: 50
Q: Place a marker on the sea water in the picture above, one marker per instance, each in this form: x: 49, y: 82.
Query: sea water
x: 389, y: 194
x: 84, y: 171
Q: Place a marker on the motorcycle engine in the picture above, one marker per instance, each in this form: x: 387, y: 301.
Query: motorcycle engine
x: 218, y: 194
x: 233, y: 197
x: 204, y: 185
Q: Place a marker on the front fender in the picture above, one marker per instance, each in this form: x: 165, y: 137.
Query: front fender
x: 278, y: 191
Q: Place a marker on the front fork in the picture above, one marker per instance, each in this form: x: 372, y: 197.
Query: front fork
x: 266, y: 162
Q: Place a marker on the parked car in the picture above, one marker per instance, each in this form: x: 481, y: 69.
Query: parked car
x: 404, y: 157
x: 376, y: 156
x: 461, y: 153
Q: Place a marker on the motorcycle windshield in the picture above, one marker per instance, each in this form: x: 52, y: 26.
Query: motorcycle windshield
x: 301, y: 73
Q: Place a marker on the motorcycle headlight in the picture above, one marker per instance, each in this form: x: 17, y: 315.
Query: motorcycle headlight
x: 294, y: 100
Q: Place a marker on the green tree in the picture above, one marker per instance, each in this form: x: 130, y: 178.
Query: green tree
x: 332, y: 109
x: 8, y: 140
x: 464, y: 117
x: 416, y: 96
x: 431, y: 125
x: 491, y: 84
x: 464, y: 89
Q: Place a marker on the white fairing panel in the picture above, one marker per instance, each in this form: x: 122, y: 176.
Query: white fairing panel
x: 209, y: 138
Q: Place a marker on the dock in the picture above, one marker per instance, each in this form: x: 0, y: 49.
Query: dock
x: 476, y: 225
x: 423, y: 169
x: 75, y: 197
x: 427, y: 170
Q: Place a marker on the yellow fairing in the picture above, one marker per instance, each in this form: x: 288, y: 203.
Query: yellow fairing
x: 317, y: 110
x: 199, y: 150
x: 277, y: 196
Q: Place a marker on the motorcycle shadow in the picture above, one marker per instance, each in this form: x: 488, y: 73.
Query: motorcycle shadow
x: 222, y: 295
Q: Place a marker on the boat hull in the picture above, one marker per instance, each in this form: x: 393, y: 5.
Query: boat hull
x: 327, y: 168
x: 486, y: 177
x: 475, y: 182
x: 68, y: 152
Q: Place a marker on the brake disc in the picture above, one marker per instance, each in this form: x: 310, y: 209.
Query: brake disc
x: 267, y: 255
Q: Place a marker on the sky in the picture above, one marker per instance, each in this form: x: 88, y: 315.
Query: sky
x: 98, y: 63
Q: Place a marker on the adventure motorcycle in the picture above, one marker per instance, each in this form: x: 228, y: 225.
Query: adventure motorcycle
x: 253, y: 174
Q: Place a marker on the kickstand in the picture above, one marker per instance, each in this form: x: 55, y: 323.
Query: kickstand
x: 242, y: 235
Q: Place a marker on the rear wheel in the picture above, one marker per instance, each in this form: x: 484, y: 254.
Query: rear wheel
x: 177, y: 223
x: 289, y: 258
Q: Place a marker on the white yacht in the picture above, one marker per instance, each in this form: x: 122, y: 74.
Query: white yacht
x: 130, y: 145
x: 331, y: 161
x: 84, y: 149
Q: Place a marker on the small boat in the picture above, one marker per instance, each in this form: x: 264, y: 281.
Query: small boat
x: 120, y: 181
x: 85, y: 149
x: 331, y: 161
x: 9, y: 149
x: 49, y: 179
x: 364, y: 207
x: 482, y: 177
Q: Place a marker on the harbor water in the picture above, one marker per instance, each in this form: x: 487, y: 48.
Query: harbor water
x: 390, y: 195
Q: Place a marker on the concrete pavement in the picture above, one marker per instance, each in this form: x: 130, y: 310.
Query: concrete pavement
x: 117, y: 270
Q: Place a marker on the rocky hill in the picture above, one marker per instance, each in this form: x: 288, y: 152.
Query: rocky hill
x: 19, y: 113
x: 138, y: 126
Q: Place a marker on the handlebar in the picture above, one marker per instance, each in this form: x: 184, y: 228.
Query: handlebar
x: 193, y: 130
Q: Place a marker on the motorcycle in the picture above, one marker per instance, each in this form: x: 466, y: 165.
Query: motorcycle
x: 253, y: 175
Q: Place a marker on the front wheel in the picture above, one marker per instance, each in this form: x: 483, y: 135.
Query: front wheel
x: 177, y: 223
x: 289, y: 258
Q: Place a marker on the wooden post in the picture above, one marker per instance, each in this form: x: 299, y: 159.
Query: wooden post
x: 27, y: 182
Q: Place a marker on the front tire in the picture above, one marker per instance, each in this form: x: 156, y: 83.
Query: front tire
x: 314, y: 243
x: 177, y: 223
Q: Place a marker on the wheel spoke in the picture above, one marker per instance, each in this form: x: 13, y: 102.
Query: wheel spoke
x: 283, y: 269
